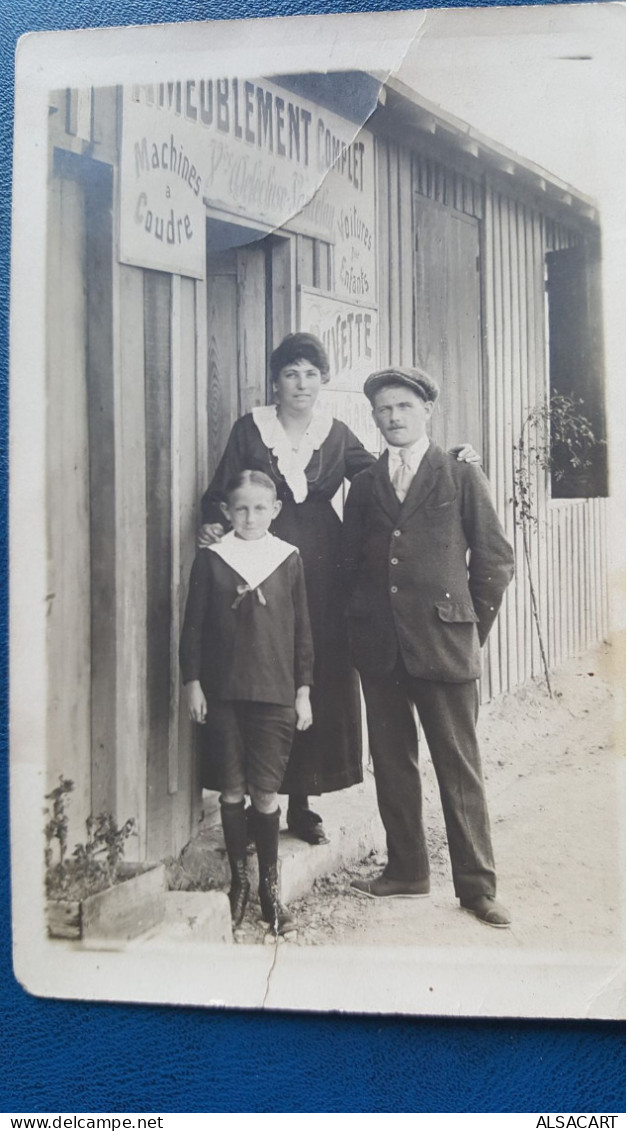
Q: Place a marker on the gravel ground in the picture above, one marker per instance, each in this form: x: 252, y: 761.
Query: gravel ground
x: 554, y: 772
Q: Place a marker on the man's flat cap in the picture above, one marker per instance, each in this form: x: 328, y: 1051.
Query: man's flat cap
x: 415, y: 379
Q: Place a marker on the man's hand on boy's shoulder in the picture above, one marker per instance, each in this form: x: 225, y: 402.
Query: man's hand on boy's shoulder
x: 465, y: 453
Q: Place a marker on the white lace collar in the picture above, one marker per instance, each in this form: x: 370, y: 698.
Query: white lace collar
x: 254, y: 561
x: 292, y: 464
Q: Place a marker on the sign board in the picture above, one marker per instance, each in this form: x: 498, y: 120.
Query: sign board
x: 255, y: 153
x: 279, y: 160
x: 162, y: 170
x: 349, y: 333
x: 346, y: 220
x: 355, y: 411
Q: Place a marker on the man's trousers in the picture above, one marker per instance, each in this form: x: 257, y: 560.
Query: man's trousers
x: 448, y: 714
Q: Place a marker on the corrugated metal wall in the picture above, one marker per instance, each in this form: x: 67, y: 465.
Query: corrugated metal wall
x: 568, y: 548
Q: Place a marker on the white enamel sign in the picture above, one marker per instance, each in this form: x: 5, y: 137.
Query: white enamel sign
x: 162, y: 169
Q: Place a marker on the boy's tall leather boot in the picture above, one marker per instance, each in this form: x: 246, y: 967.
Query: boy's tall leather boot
x: 234, y: 829
x: 266, y: 826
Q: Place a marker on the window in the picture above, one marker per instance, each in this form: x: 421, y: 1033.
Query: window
x: 576, y: 366
x: 314, y: 263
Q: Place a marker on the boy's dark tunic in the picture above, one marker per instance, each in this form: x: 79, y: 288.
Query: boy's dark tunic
x: 250, y: 646
x: 256, y: 651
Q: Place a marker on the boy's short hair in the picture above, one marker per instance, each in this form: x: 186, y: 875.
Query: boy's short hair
x: 245, y: 479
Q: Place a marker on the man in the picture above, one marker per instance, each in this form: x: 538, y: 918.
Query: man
x: 427, y: 564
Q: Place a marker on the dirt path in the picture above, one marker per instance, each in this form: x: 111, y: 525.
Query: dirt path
x: 554, y: 772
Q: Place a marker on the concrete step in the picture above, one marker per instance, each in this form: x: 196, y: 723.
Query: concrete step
x: 354, y: 829
x: 189, y: 917
x: 351, y: 821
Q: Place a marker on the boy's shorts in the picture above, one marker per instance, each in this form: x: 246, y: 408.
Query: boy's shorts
x: 249, y: 743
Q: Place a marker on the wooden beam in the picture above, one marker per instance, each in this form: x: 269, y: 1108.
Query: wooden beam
x: 79, y: 113
x: 102, y: 476
x: 131, y: 605
x: 471, y: 147
x: 175, y: 541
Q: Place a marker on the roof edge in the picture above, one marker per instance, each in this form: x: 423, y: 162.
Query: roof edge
x: 432, y: 118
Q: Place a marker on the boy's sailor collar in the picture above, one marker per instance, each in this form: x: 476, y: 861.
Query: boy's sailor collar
x: 254, y: 561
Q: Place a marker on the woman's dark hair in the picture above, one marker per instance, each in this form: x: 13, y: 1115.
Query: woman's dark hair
x: 293, y: 348
x: 245, y: 479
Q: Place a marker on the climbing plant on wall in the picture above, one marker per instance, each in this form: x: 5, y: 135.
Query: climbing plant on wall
x: 555, y: 438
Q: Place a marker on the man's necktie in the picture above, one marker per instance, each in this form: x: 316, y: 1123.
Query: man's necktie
x: 403, y: 476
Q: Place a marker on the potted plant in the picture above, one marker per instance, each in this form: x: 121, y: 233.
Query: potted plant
x: 92, y: 892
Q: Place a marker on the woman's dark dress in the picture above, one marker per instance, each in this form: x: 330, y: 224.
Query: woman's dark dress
x: 328, y: 756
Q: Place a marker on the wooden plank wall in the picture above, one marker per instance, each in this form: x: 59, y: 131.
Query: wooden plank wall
x: 158, y: 520
x: 173, y: 307
x: 568, y: 551
x: 67, y: 504
x: 131, y: 550
x: 399, y: 174
x: 101, y: 418
x: 127, y: 456
x: 185, y: 792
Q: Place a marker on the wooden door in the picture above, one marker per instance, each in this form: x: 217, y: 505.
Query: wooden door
x: 222, y: 353
x: 236, y: 340
x: 447, y: 318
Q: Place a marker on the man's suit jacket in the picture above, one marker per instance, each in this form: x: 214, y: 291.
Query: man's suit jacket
x: 425, y: 578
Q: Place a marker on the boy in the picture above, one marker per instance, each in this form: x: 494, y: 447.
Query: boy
x: 247, y: 661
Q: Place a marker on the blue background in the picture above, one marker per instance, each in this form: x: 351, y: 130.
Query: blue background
x: 66, y: 1056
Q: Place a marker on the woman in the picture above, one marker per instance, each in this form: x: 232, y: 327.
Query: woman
x: 307, y: 454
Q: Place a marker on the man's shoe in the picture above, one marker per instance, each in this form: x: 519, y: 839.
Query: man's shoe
x: 487, y: 910
x: 383, y: 888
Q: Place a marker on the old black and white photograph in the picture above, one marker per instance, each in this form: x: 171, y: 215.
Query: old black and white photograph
x: 317, y: 561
